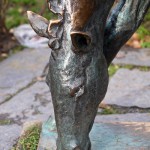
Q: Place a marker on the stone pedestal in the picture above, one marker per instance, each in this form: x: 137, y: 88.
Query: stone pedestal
x: 105, y: 136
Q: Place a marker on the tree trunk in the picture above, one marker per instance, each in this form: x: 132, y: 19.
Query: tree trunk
x: 3, y: 7
x: 5, y: 36
x: 83, y: 44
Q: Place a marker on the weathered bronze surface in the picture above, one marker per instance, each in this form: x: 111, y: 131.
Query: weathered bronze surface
x: 83, y: 43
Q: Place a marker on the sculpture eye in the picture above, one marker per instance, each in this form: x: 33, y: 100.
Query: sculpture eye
x: 54, y: 44
x: 81, y: 41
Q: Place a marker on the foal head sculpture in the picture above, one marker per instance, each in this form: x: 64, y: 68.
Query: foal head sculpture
x: 80, y: 40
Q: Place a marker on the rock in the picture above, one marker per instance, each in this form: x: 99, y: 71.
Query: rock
x: 138, y: 57
x: 20, y: 69
x: 8, y: 136
x: 130, y: 117
x: 28, y: 38
x: 33, y: 103
x: 129, y: 88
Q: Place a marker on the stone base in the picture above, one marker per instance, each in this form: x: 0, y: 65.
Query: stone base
x: 105, y: 136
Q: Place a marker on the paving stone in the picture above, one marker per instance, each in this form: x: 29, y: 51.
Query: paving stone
x: 8, y: 136
x: 130, y: 117
x: 19, y: 70
x: 105, y: 136
x: 33, y: 103
x: 120, y: 136
x: 129, y: 88
x: 138, y: 57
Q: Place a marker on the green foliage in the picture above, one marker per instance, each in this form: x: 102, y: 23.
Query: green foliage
x: 146, y: 44
x: 16, y: 13
x: 24, y: 2
x: 147, y: 17
x: 14, y: 17
x: 142, y: 31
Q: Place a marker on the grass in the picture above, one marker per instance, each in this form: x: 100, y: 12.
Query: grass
x: 5, y: 122
x: 144, y: 34
x: 30, y: 139
x: 108, y: 111
x: 144, y: 31
x: 114, y: 68
x: 122, y: 110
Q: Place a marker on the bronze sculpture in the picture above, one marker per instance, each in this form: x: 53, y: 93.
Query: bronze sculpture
x: 83, y: 43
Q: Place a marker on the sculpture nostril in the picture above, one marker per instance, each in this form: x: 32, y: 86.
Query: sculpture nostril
x: 80, y: 41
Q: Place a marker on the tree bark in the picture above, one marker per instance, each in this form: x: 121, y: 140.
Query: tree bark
x: 83, y: 45
x: 5, y: 36
x: 3, y: 7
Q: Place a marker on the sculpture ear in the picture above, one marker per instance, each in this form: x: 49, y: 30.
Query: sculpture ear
x: 38, y: 23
